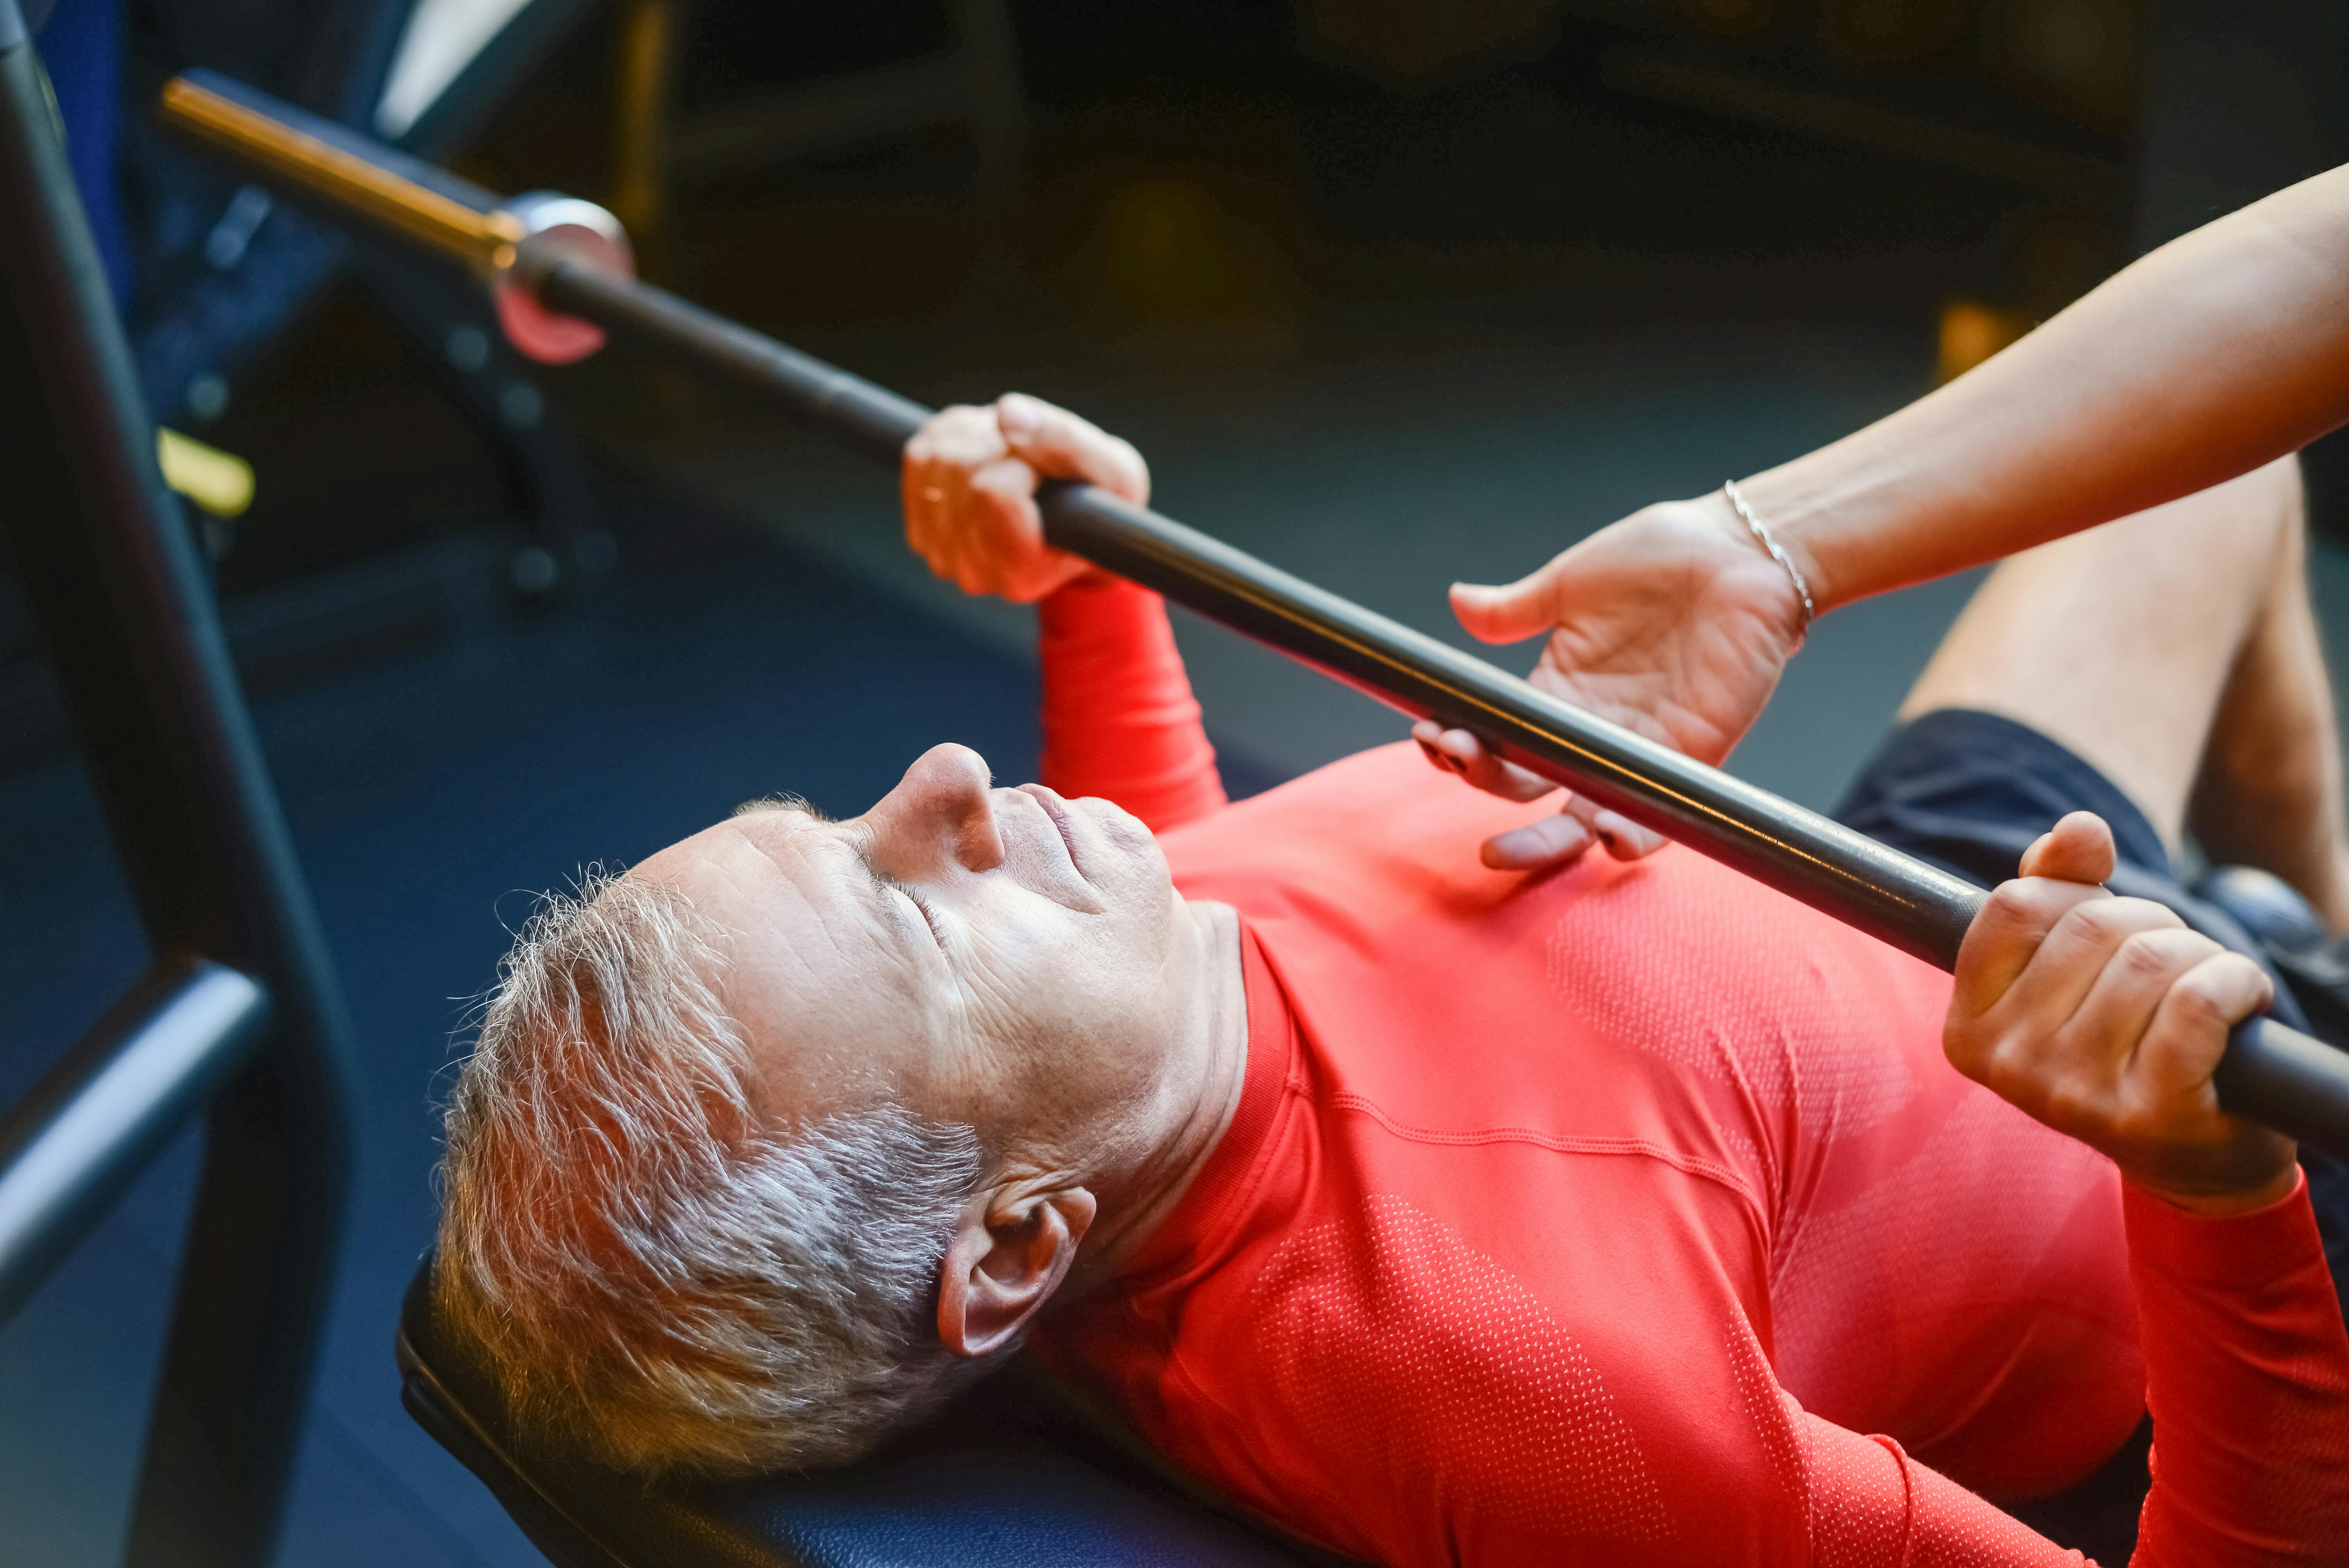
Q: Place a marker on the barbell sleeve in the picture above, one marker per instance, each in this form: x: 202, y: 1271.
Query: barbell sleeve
x: 2271, y: 1074
x: 309, y: 155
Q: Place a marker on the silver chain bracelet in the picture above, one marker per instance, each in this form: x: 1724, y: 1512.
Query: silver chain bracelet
x: 1777, y: 553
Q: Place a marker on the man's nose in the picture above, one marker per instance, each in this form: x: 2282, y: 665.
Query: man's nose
x: 942, y: 811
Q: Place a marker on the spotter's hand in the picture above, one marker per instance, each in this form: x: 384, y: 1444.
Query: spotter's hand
x: 2105, y: 1017
x: 1671, y: 622
x: 969, y: 481
x: 1552, y: 841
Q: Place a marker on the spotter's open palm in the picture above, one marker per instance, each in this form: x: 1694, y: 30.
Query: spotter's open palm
x: 1671, y: 622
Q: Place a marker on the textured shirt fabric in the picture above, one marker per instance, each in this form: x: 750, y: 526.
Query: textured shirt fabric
x: 1630, y: 1215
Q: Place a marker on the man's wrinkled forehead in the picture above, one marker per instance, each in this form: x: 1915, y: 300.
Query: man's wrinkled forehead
x: 809, y: 965
x: 773, y: 867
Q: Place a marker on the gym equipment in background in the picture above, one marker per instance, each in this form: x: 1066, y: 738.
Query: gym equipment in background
x: 238, y: 1016
x: 559, y: 270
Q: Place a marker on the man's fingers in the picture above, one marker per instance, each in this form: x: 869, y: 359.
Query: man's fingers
x: 2062, y: 871
x: 1008, y: 535
x: 1061, y: 446
x: 1508, y: 614
x: 2090, y: 1053
x: 2077, y: 849
x: 969, y: 499
x: 2105, y: 1017
x: 2167, y: 1108
x: 2007, y: 936
x: 1551, y: 841
x: 958, y: 439
x: 933, y: 480
x: 2182, y: 1045
x: 2083, y: 995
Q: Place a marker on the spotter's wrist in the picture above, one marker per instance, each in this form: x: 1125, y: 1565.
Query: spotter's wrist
x: 1784, y: 569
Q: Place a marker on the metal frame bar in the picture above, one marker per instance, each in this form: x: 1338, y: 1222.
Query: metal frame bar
x: 70, y: 1147
x: 2271, y: 1074
x: 128, y: 618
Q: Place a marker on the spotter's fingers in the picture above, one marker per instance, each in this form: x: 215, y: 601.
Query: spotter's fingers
x: 1538, y: 845
x: 1458, y: 751
x: 1555, y: 840
x: 1625, y: 838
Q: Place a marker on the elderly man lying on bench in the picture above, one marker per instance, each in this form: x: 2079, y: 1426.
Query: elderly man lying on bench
x: 1621, y: 1213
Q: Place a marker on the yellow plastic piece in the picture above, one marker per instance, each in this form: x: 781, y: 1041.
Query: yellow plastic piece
x: 220, y: 483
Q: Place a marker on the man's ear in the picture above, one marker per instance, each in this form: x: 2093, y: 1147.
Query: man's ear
x: 1007, y: 1256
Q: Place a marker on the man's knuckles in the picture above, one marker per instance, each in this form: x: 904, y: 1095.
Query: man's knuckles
x: 2053, y: 941
x: 2026, y: 909
x: 2151, y: 957
x: 2218, y: 990
x: 2015, y: 921
x: 2001, y: 1048
x: 959, y: 436
x: 2081, y: 1103
x: 2041, y: 1014
x: 2027, y: 1069
x: 2099, y: 922
x: 1063, y: 446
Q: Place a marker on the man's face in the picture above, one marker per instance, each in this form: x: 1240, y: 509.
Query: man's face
x: 999, y: 957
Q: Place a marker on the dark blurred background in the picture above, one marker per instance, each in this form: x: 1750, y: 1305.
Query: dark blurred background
x: 1391, y: 293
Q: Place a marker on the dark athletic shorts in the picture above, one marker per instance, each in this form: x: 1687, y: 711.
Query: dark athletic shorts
x: 1970, y: 791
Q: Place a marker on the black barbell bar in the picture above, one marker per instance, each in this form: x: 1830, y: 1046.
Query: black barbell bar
x: 555, y: 264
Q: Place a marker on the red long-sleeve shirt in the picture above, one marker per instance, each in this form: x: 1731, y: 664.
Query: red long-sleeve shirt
x: 1596, y: 1217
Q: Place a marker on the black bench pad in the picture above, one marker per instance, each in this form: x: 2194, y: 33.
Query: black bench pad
x: 1009, y: 1476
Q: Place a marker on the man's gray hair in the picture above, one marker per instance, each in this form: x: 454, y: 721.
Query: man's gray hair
x: 658, y: 1283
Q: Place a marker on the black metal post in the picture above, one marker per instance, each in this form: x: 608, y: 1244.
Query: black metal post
x: 2272, y: 1074
x: 127, y: 615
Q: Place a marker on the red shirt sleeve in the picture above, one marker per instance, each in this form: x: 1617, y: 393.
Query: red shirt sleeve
x: 1120, y: 721
x: 2247, y: 1373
